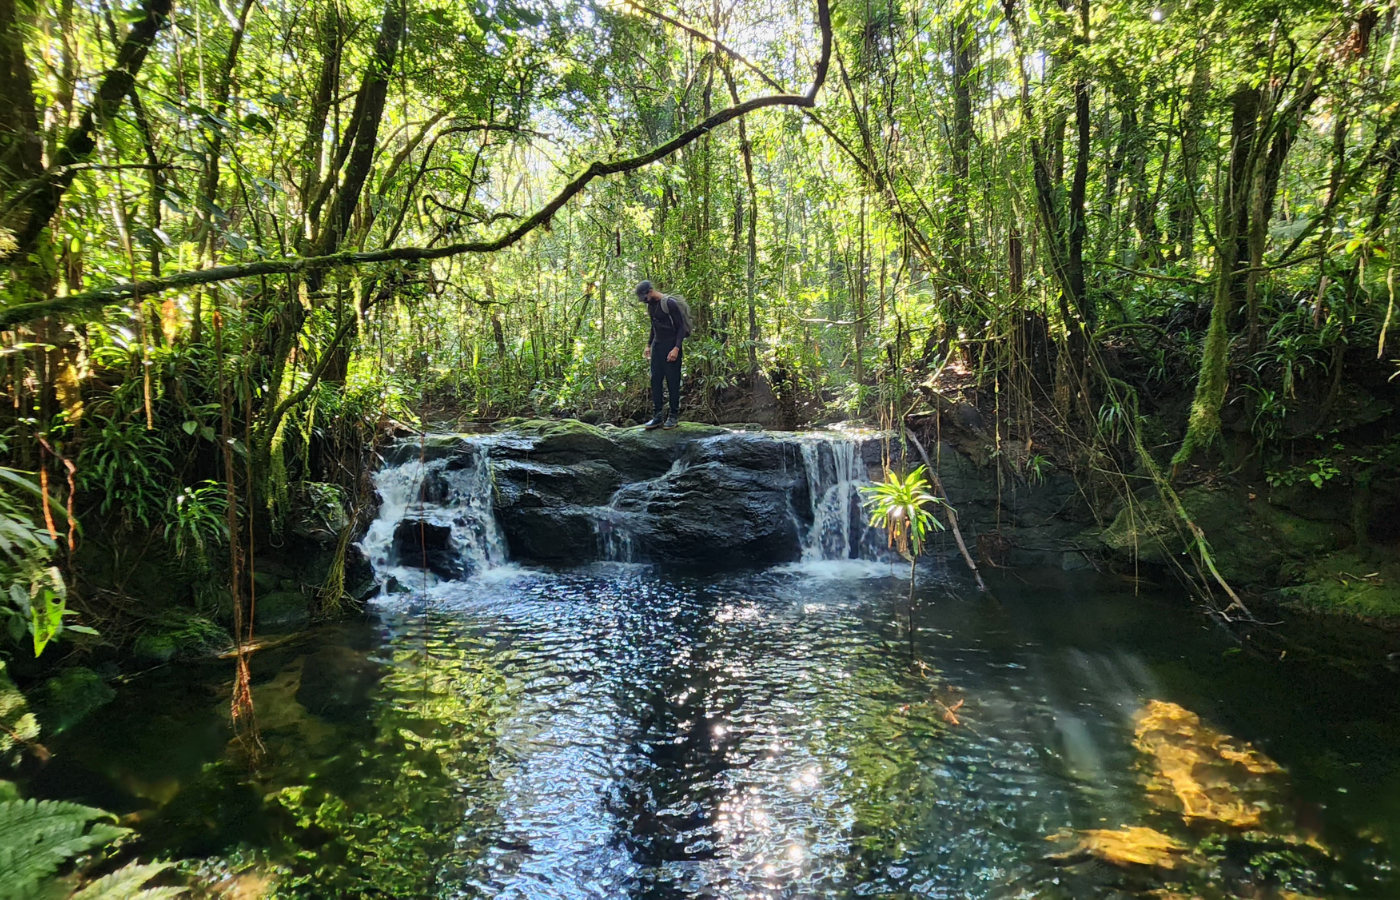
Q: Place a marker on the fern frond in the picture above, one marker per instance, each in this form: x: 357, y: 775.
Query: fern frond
x: 125, y: 884
x: 37, y: 836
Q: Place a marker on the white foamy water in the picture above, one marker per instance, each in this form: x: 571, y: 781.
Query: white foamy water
x: 452, y: 491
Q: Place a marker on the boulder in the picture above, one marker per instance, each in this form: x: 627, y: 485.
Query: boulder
x: 429, y: 447
x: 559, y: 534
x: 714, y: 513
x: 318, y: 513
x: 281, y: 610
x: 589, y: 483
x: 336, y: 683
x: 1250, y: 540
x: 427, y: 543
x: 182, y: 634
x: 71, y: 696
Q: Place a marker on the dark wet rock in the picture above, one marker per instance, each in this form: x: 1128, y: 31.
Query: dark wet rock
x: 427, y: 543
x: 428, y: 447
x: 716, y: 513
x: 590, y: 482
x: 359, y: 573
x: 550, y: 534
x: 282, y: 610
x: 71, y: 696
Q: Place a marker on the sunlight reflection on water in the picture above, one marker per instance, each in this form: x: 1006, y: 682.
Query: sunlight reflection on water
x: 617, y: 732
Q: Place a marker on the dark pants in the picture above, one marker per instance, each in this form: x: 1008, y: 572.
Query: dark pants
x: 671, y: 373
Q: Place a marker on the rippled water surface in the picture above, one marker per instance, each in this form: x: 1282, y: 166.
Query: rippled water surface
x: 613, y: 732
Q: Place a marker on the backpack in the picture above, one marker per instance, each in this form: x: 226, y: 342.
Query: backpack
x: 687, y: 320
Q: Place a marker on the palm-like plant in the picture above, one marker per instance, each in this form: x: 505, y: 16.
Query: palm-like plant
x: 903, y: 507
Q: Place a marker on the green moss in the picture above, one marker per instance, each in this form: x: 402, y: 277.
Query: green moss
x: 1348, y: 584
x: 1250, y: 540
x: 179, y: 635
x: 1204, y: 423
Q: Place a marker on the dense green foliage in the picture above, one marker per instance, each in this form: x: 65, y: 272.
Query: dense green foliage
x: 240, y: 239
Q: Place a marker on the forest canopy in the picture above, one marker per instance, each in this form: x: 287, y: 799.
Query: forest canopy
x: 240, y: 238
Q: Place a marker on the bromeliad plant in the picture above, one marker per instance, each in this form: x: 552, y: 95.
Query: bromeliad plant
x: 903, y: 507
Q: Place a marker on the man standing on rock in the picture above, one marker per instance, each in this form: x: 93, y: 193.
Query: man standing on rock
x: 670, y: 324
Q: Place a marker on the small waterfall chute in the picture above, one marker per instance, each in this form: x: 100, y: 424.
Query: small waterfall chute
x: 436, y: 521
x: 835, y: 471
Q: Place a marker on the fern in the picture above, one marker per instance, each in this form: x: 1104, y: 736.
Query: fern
x: 38, y: 836
x: 125, y: 884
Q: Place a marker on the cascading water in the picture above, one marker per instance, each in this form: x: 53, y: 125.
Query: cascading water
x: 435, y: 519
x: 835, y: 470
x: 613, y: 525
x: 615, y: 542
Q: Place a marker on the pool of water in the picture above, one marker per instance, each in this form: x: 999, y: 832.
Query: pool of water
x: 614, y: 732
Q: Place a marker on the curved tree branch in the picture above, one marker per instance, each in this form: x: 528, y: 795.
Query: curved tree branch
x: 88, y: 300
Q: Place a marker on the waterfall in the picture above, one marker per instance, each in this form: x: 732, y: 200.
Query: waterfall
x: 835, y: 470
x: 613, y: 524
x: 435, y: 518
x: 614, y: 536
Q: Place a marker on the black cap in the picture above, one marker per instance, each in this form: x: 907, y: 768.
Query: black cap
x: 643, y: 290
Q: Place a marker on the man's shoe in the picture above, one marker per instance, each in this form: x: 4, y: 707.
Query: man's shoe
x: 670, y: 422
x: 656, y: 422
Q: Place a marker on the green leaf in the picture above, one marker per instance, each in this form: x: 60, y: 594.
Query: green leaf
x: 38, y: 836
x: 258, y: 123
x: 126, y: 882
x: 190, y: 426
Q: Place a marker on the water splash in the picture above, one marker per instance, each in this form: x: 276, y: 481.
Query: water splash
x: 448, y: 496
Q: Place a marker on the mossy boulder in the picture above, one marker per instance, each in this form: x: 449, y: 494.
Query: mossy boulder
x: 179, y: 635
x: 319, y: 513
x: 71, y: 696
x: 282, y: 610
x: 1347, y: 583
x: 1250, y: 540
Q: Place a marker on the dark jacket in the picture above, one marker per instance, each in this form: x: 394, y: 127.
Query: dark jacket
x: 667, y: 324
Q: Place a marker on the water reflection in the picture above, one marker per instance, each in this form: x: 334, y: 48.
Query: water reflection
x: 616, y: 733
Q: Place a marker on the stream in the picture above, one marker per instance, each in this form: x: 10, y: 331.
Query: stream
x: 614, y: 730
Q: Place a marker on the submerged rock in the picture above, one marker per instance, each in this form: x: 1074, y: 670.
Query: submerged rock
x: 1132, y: 846
x: 1206, y: 775
x: 71, y: 696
